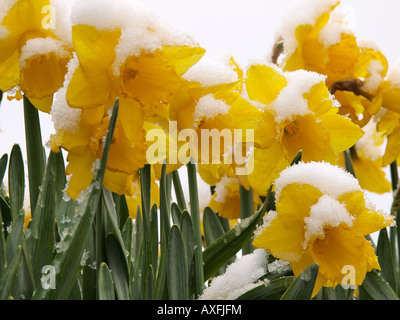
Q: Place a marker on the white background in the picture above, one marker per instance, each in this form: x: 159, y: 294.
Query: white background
x: 244, y: 28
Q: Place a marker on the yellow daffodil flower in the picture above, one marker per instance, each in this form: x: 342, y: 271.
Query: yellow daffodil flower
x: 33, y: 55
x: 322, y: 41
x: 322, y: 216
x: 305, y: 117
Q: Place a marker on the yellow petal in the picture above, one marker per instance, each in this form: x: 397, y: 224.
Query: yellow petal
x: 391, y: 96
x: 131, y: 116
x: 95, y: 48
x: 9, y: 70
x: 392, y: 147
x: 80, y: 164
x: 267, y: 164
x: 283, y: 238
x: 371, y: 176
x: 183, y: 57
x: 43, y: 74
x: 264, y: 83
x: 87, y: 92
x: 308, y: 135
x: 343, y: 132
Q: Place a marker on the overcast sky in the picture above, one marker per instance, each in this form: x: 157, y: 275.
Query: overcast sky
x: 243, y: 28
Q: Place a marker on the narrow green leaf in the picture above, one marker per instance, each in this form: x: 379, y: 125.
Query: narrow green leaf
x: 67, y: 261
x: 3, y: 166
x: 246, y: 211
x: 6, y: 214
x: 106, y: 284
x: 375, y: 287
x: 15, y: 234
x: 42, y: 239
x: 297, y: 158
x: 180, y: 197
x: 117, y: 264
x: 385, y: 258
x: 176, y: 214
x: 34, y: 148
x: 195, y: 213
x: 127, y: 235
x: 16, y: 181
x: 188, y: 240
x: 226, y: 247
x: 154, y: 235
x: 7, y: 280
x: 270, y: 290
x: 3, y: 252
x: 347, y: 162
x: 178, y: 287
x: 160, y: 288
x: 302, y: 287
x: 212, y: 226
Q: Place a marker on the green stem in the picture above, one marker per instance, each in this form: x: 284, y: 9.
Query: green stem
x: 195, y: 213
x: 35, y: 153
x: 246, y: 210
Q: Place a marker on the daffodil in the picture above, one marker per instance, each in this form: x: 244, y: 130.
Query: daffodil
x: 304, y: 116
x: 321, y: 40
x: 141, y: 68
x: 322, y: 216
x: 34, y: 53
x: 367, y: 160
x: 226, y: 198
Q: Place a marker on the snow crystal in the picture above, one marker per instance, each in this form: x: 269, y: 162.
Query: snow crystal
x: 208, y: 107
x: 326, y: 212
x: 291, y: 102
x: 278, y: 266
x: 240, y: 277
x: 267, y: 219
x: 210, y: 73
x: 329, y: 179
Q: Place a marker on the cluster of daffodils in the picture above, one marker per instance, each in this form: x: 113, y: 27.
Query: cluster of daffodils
x: 323, y: 92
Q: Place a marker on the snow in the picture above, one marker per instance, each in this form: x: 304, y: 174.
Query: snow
x: 210, y: 73
x: 327, y: 212
x: 371, y: 146
x: 301, y: 13
x: 208, y: 107
x: 290, y: 101
x: 329, y: 179
x: 221, y: 188
x: 240, y: 277
x: 62, y: 115
x: 42, y: 46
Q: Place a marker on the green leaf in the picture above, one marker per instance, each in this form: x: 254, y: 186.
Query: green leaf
x: 271, y: 290
x: 385, y: 257
x: 375, y: 287
x: 226, y: 247
x: 7, y: 280
x: 178, y: 286
x: 117, y: 263
x: 302, y: 287
x: 188, y: 240
x: 180, y: 197
x: 348, y: 163
x: 3, y: 166
x: 42, y: 238
x: 195, y: 213
x: 3, y: 252
x: 67, y: 261
x: 297, y: 158
x: 212, y: 226
x: 106, y: 284
x: 176, y: 214
x: 6, y: 214
x: 34, y: 148
x: 246, y: 210
x: 16, y: 181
